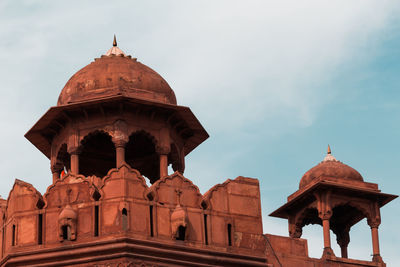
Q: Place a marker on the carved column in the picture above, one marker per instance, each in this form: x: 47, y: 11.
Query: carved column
x: 327, y: 237
x: 325, y: 214
x: 163, y: 152
x: 120, y: 152
x: 120, y: 139
x: 343, y: 239
x: 374, y: 224
x: 55, y: 170
x: 74, y: 152
x: 295, y: 230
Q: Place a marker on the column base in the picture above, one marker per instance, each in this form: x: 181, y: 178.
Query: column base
x: 343, y: 251
x: 328, y: 253
x: 377, y: 258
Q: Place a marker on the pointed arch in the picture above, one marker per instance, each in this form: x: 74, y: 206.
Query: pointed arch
x: 97, y: 154
x: 141, y: 154
x: 63, y: 158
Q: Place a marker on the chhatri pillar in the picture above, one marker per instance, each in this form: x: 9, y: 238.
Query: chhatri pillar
x: 74, y: 152
x: 163, y: 152
x: 374, y: 223
x: 335, y: 196
x: 55, y: 173
x: 120, y: 139
x: 120, y: 152
x: 343, y: 239
x: 325, y: 214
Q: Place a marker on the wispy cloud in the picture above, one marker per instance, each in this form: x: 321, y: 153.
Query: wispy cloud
x: 251, y: 71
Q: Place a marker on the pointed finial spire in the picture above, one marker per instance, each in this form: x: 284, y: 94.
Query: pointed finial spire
x: 114, y: 50
x: 329, y: 156
x: 115, y: 41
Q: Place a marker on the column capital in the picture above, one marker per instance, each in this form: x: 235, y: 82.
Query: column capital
x: 163, y: 150
x: 325, y: 215
x: 56, y: 167
x: 295, y: 230
x: 120, y: 142
x: 343, y: 238
x: 75, y: 150
x: 374, y: 223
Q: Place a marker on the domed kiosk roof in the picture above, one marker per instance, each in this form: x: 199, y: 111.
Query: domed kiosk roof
x: 330, y: 167
x: 113, y: 85
x: 116, y: 74
x: 336, y: 178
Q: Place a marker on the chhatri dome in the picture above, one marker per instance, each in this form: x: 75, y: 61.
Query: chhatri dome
x: 114, y: 74
x: 330, y: 167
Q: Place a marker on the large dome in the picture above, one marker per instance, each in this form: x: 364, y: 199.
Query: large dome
x: 332, y: 168
x: 116, y: 74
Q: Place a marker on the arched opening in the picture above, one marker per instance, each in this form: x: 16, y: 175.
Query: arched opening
x: 96, y: 220
x: 175, y: 160
x: 345, y: 218
x: 229, y: 229
x: 181, y: 233
x: 141, y: 155
x: 40, y: 229
x: 313, y: 233
x: 151, y: 220
x: 66, y: 232
x: 63, y: 159
x: 97, y: 155
x: 205, y: 229
x: 204, y: 205
x: 124, y: 219
x: 40, y: 205
x: 311, y: 229
x: 13, y: 238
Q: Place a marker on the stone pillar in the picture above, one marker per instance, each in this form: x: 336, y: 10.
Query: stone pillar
x: 163, y: 165
x: 325, y: 214
x: 327, y: 236
x: 295, y: 230
x: 120, y: 139
x: 56, y: 174
x: 120, y: 152
x: 376, y: 256
x: 163, y: 152
x: 74, y: 152
x: 343, y: 239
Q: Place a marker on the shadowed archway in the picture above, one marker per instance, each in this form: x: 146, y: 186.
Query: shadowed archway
x: 141, y: 155
x: 97, y: 155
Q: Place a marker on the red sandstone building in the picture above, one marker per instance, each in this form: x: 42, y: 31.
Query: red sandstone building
x: 117, y: 121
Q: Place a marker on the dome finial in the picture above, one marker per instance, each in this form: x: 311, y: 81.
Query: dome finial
x: 115, y: 41
x: 329, y: 156
x: 114, y: 50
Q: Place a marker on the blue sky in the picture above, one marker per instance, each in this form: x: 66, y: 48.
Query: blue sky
x: 273, y: 84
